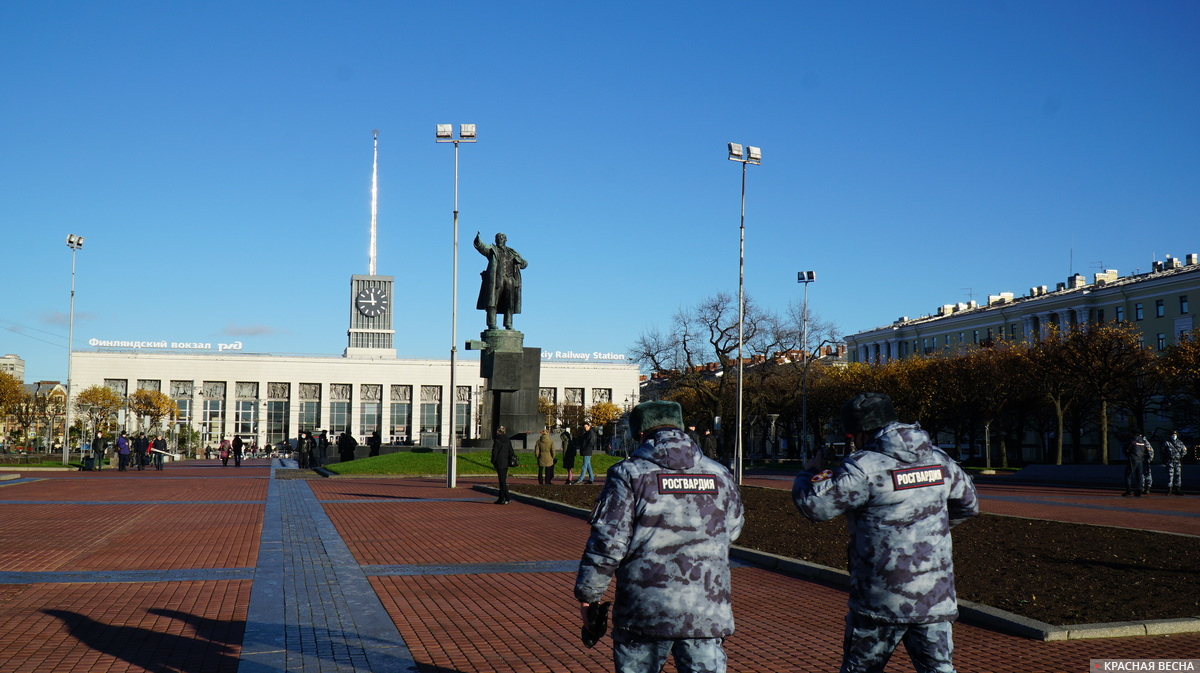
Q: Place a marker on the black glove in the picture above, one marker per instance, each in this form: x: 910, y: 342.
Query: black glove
x: 597, y: 624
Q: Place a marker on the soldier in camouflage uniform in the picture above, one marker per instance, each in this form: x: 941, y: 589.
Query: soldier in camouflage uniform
x: 1175, y: 451
x: 901, y: 495
x: 663, y: 525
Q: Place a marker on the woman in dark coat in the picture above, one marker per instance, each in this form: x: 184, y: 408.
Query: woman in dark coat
x: 569, y: 449
x: 502, y: 453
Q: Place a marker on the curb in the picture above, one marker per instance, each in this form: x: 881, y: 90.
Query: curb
x: 976, y: 614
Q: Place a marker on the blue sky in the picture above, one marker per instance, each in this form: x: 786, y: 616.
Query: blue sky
x: 217, y: 158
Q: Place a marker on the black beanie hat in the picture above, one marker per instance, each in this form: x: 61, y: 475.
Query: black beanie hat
x: 867, y: 412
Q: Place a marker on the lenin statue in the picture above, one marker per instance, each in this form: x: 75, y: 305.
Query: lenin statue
x: 500, y: 291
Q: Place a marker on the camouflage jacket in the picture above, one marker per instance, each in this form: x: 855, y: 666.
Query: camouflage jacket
x: 663, y: 525
x: 901, y: 496
x: 1175, y: 450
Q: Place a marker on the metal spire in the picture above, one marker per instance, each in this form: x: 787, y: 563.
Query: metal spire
x: 374, y: 199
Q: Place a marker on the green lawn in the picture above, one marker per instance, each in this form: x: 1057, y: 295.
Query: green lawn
x: 472, y: 462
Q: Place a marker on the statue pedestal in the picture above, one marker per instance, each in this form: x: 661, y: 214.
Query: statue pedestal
x: 513, y: 373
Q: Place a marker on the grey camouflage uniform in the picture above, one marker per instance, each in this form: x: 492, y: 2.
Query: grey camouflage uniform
x: 663, y: 525
x: 1175, y: 451
x: 901, y: 496
x: 1147, y: 477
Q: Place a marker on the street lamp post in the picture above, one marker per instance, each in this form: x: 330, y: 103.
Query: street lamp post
x: 445, y: 134
x: 74, y: 243
x: 752, y: 155
x: 804, y: 277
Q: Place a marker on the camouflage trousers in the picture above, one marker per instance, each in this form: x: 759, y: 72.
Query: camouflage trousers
x: 868, y: 645
x: 1147, y: 479
x: 1174, y: 474
x: 692, y: 655
x: 1134, y: 479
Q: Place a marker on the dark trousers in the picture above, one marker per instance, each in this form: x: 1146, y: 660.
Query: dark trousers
x: 237, y: 459
x: 1134, y: 476
x: 502, y: 477
x: 122, y: 461
x: 545, y: 474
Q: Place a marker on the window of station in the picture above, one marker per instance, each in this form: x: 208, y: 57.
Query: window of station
x: 431, y: 415
x: 1161, y: 341
x: 309, y: 416
x: 462, y: 411
x: 1138, y: 312
x: 401, y: 414
x: 1119, y: 313
x: 1160, y: 308
x: 339, y: 408
x: 1183, y: 304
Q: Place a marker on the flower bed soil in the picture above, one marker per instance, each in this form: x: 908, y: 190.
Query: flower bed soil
x: 1058, y: 573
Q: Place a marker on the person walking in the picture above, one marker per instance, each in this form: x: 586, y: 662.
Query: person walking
x: 100, y: 449
x: 158, y: 452
x: 709, y: 443
x: 569, y: 450
x: 544, y: 452
x: 303, y: 449
x: 662, y: 526
x: 901, y: 496
x: 123, y: 450
x: 223, y: 451
x: 141, y: 450
x: 588, y: 443
x: 236, y: 447
x: 502, y: 458
x: 346, y: 443
x: 1175, y: 450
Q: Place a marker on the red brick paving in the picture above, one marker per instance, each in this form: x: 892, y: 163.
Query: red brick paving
x: 128, y: 537
x: 138, y: 486
x: 113, y: 629
x: 485, y: 622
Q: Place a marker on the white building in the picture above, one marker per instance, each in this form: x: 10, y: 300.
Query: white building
x: 273, y: 397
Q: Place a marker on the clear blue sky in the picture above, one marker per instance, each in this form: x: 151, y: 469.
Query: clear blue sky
x: 217, y: 158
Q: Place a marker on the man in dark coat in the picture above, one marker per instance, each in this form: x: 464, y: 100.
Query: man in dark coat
x: 373, y: 443
x: 237, y: 450
x: 1137, y: 453
x: 502, y: 455
x: 141, y: 449
x: 346, y: 444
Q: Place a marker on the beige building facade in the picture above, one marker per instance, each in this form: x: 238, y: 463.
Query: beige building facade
x: 1157, y: 303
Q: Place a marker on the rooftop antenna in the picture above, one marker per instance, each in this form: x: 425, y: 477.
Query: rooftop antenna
x: 970, y: 293
x: 374, y: 199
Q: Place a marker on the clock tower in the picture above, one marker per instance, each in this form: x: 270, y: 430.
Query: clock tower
x: 371, y: 333
x: 371, y: 307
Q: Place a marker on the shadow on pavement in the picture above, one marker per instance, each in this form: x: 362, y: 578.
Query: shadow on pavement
x: 151, y: 650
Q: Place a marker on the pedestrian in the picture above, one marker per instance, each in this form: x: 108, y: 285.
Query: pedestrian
x: 320, y: 449
x: 569, y: 448
x: 236, y: 447
x: 662, y: 526
x: 692, y: 434
x: 1135, y: 451
x: 303, y: 449
x: 123, y: 450
x: 901, y: 496
x: 141, y: 450
x: 1175, y: 450
x: 373, y: 443
x: 224, y: 450
x: 100, y: 449
x: 158, y: 451
x: 346, y: 443
x: 709, y: 444
x: 502, y: 458
x: 544, y: 452
x: 588, y: 443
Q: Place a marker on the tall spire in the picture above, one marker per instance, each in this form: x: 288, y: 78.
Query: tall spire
x: 374, y: 199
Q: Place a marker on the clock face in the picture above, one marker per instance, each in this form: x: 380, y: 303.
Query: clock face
x: 371, y: 302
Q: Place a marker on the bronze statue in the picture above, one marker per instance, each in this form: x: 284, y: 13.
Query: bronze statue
x: 500, y: 291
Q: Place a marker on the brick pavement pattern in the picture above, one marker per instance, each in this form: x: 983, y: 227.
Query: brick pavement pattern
x: 199, y: 569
